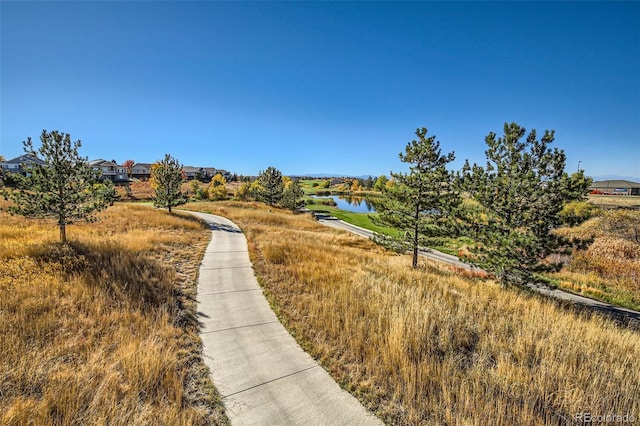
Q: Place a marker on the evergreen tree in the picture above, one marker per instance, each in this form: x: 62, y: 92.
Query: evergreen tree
x: 381, y: 183
x: 292, y: 196
x: 421, y: 203
x: 1, y: 172
x: 368, y: 183
x: 520, y: 195
x: 166, y: 180
x: 64, y: 188
x: 271, y: 186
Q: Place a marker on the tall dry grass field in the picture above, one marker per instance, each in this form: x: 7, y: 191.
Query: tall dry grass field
x: 609, y: 269
x: 429, y: 346
x: 103, y: 331
x: 615, y: 201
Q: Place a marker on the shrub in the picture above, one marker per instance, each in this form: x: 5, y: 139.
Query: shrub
x: 576, y: 212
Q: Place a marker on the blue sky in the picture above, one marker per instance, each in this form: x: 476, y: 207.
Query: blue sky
x: 309, y: 87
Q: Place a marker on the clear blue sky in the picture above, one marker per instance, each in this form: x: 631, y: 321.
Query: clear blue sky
x: 308, y: 87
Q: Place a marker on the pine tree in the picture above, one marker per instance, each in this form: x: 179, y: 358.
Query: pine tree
x: 166, y: 180
x: 292, y: 196
x: 64, y: 188
x: 381, y: 183
x: 520, y: 194
x: 271, y: 186
x: 1, y: 171
x: 421, y: 203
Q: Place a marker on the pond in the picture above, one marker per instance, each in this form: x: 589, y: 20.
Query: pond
x: 350, y: 203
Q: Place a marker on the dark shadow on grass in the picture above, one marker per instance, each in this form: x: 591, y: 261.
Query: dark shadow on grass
x: 124, y: 275
x: 621, y: 316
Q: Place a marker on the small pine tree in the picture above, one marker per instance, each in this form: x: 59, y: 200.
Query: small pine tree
x: 166, y: 180
x: 271, y: 186
x: 64, y: 188
x: 1, y: 172
x: 421, y: 203
x: 292, y: 196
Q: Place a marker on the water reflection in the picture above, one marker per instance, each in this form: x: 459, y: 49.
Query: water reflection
x: 351, y: 203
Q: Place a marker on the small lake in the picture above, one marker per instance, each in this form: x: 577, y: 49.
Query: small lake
x: 350, y: 203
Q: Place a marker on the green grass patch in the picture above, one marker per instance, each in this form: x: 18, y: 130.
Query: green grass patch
x: 362, y: 220
x: 313, y: 186
x: 451, y: 245
x: 589, y: 285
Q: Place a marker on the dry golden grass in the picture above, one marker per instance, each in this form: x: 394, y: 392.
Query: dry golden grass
x: 429, y: 346
x: 615, y: 201
x: 609, y: 269
x: 104, y: 330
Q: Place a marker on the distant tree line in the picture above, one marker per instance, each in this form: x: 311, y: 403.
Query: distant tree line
x: 508, y: 207
x: 274, y: 189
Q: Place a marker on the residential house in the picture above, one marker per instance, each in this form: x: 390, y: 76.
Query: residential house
x: 110, y: 170
x: 141, y: 171
x: 196, y: 173
x: 212, y: 171
x: 20, y: 164
x: 615, y: 187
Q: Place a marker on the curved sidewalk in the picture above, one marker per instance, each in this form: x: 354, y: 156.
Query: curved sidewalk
x: 264, y: 377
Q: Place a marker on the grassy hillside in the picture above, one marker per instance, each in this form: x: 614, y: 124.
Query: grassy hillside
x: 609, y: 269
x: 431, y: 346
x: 103, y: 331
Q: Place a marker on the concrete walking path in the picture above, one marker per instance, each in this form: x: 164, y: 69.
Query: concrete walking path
x: 264, y: 377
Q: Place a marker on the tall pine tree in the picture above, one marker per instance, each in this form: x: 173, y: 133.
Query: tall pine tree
x: 292, y: 196
x: 64, y: 188
x: 421, y: 203
x: 166, y: 180
x: 520, y: 194
x: 271, y: 186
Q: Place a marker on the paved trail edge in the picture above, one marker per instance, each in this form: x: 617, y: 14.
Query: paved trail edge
x: 263, y: 375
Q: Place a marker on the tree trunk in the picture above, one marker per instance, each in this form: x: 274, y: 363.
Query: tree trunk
x: 415, y: 238
x: 63, y: 232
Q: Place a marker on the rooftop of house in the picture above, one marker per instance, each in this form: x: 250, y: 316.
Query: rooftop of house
x: 615, y: 184
x: 102, y: 163
x: 25, y: 158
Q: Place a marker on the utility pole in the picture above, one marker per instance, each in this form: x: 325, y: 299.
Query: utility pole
x: 579, y: 161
